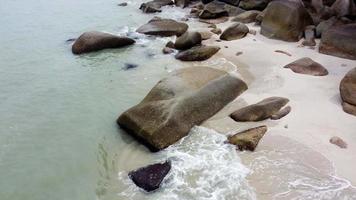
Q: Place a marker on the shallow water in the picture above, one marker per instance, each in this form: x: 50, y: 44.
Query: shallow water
x: 58, y: 135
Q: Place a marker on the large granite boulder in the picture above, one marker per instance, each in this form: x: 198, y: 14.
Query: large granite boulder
x: 339, y: 41
x: 285, y: 20
x: 188, y: 40
x: 150, y: 177
x: 197, y: 53
x: 155, y: 5
x: 95, y: 41
x: 261, y: 110
x: 213, y: 10
x: 247, y: 17
x: 307, y: 66
x: 248, y: 139
x: 253, y: 4
x: 348, y: 92
x: 186, y: 98
x: 234, y: 32
x: 163, y: 27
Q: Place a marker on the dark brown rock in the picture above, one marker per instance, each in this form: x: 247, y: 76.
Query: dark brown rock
x: 344, y: 8
x: 95, y: 41
x: 187, y: 97
x: 247, y: 17
x: 122, y: 4
x: 167, y: 50
x: 215, y: 21
x: 348, y: 108
x: 261, y: 110
x: 163, y: 27
x: 338, y: 142
x: 339, y: 41
x: 248, y: 139
x: 348, y: 88
x: 197, y: 53
x: 282, y: 113
x: 234, y: 32
x: 150, y: 177
x: 253, y: 4
x: 213, y: 10
x: 188, y: 40
x: 307, y: 66
x: 232, y: 2
x: 155, y: 5
x: 285, y: 20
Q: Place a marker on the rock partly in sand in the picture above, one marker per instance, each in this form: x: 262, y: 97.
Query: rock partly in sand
x: 213, y: 10
x: 188, y: 40
x: 248, y: 139
x: 247, y: 17
x: 234, y: 32
x: 339, y: 41
x: 338, y: 142
x: 163, y: 27
x: 170, y: 44
x: 282, y: 113
x: 150, y: 177
x: 348, y: 92
x: 205, y: 35
x: 197, y: 53
x: 285, y: 20
x: 216, y: 31
x: 187, y: 97
x: 309, y: 35
x: 155, y: 5
x: 95, y: 41
x: 233, y: 10
x: 214, y: 21
x: 261, y: 110
x: 307, y: 66
x: 232, y: 2
x: 253, y: 4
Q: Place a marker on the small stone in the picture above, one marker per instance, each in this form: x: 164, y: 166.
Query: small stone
x: 248, y: 139
x: 122, y: 4
x: 239, y: 53
x: 338, y: 142
x: 129, y: 66
x: 217, y: 31
x: 167, y: 50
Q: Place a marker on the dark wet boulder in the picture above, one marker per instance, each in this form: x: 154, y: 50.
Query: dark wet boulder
x: 247, y: 17
x: 155, y: 5
x: 253, y: 4
x: 348, y: 91
x: 339, y: 41
x: 338, y: 142
x: 213, y: 10
x: 187, y: 97
x: 188, y: 40
x: 150, y: 177
x: 163, y: 27
x: 197, y: 53
x: 285, y: 20
x: 248, y: 139
x: 344, y: 8
x: 236, y: 31
x: 215, y: 21
x: 95, y: 41
x: 307, y: 66
x: 231, y: 2
x: 309, y: 35
x: 261, y: 110
x: 282, y: 113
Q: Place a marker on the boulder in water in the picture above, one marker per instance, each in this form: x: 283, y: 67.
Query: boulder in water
x: 187, y: 97
x: 188, y: 40
x: 285, y: 20
x: 248, y: 139
x: 95, y: 41
x: 307, y: 66
x: 155, y: 5
x: 197, y: 53
x: 163, y: 27
x: 261, y: 110
x: 150, y: 177
x: 234, y: 32
x: 339, y: 41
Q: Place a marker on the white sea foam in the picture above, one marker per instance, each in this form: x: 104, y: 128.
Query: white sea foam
x: 203, y: 168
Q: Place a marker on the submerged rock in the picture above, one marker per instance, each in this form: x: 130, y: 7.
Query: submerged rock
x: 282, y: 113
x: 155, y: 5
x: 150, y: 177
x: 197, y: 53
x: 261, y: 110
x: 247, y: 17
x: 234, y: 32
x: 95, y: 41
x: 285, y: 20
x: 186, y: 98
x: 307, y: 66
x: 348, y: 92
x: 248, y: 139
x: 163, y: 27
x: 188, y: 40
x: 338, y: 142
x: 339, y: 41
